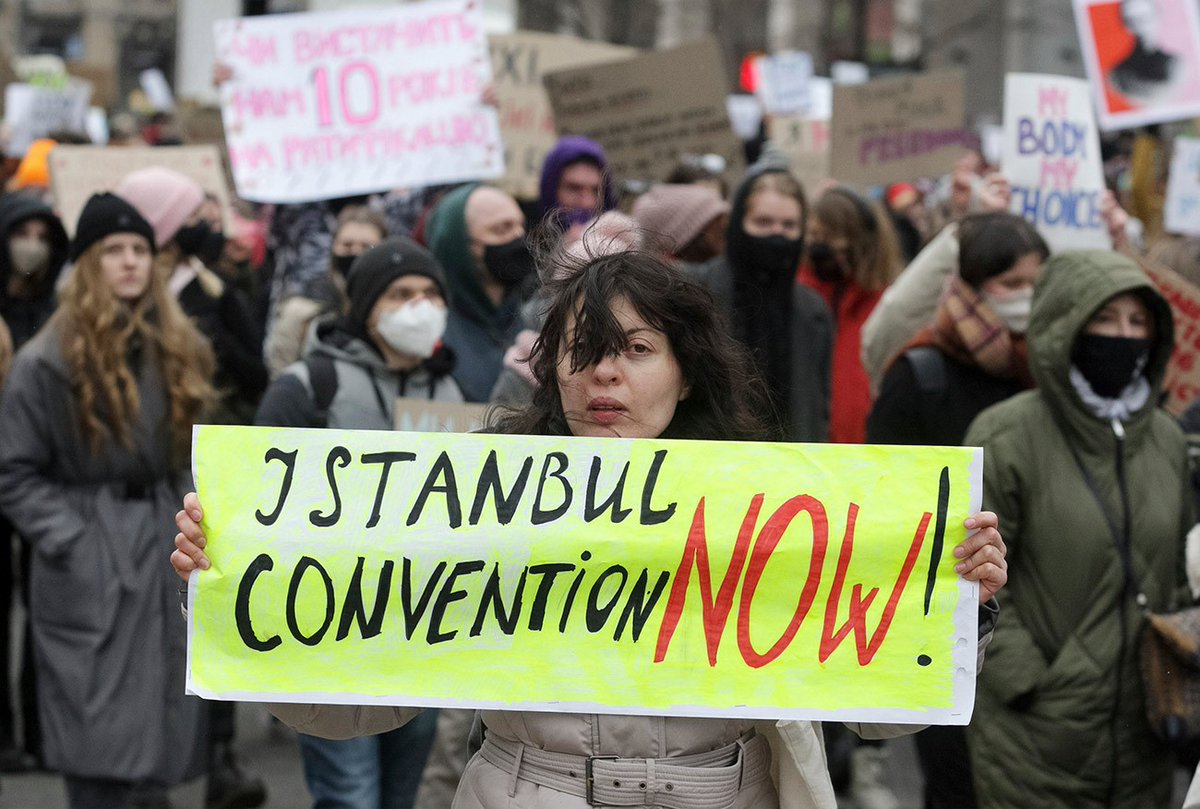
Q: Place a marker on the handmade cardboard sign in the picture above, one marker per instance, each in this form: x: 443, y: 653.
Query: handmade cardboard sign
x: 1181, y: 214
x: 1052, y: 158
x: 899, y: 128
x: 77, y: 172
x: 519, y: 61
x: 652, y: 577
x: 805, y: 141
x: 335, y: 104
x: 418, y: 415
x: 1143, y: 59
x: 1182, y: 382
x: 649, y: 111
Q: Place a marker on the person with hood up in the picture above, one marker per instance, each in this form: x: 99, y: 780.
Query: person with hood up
x: 786, y: 326
x: 477, y: 233
x: 575, y: 185
x: 387, y: 346
x: 173, y: 204
x: 1090, y: 479
x: 95, y: 428
x: 34, y: 252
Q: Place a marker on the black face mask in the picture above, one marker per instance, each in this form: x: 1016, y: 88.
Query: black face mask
x: 777, y: 255
x: 824, y: 262
x: 1109, y: 363
x: 342, y: 264
x: 509, y: 263
x: 201, y: 241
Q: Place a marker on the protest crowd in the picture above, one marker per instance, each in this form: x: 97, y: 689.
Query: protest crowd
x: 838, y: 273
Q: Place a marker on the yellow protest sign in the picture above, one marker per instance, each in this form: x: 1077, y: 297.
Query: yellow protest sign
x: 605, y: 575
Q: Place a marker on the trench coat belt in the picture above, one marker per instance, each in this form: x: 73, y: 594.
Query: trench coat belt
x: 709, y: 780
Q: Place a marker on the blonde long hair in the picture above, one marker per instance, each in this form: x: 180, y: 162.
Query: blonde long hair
x: 97, y: 330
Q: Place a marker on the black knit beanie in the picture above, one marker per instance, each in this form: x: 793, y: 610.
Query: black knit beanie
x: 375, y: 270
x: 104, y: 215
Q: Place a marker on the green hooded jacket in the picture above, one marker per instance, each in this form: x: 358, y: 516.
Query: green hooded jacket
x: 1060, y: 719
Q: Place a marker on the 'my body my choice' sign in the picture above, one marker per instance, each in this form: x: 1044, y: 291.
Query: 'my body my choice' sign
x: 349, y: 102
x: 604, y: 575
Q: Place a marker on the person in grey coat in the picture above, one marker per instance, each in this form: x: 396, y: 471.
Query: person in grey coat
x: 95, y: 426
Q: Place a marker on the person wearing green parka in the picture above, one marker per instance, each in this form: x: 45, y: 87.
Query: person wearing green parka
x: 1089, y: 478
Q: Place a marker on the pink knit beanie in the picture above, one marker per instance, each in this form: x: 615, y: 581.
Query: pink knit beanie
x: 164, y: 197
x: 678, y: 213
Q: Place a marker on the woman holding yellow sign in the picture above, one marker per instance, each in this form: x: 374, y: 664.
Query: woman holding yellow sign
x: 631, y: 348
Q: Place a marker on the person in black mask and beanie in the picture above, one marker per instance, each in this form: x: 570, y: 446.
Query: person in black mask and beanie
x: 786, y: 326
x: 478, y: 234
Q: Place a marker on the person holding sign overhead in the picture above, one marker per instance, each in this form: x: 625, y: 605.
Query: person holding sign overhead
x: 631, y: 348
x: 1092, y: 479
x: 95, y: 427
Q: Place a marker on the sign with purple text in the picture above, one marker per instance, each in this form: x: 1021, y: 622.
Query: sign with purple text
x: 899, y: 128
x: 1143, y: 57
x: 1051, y: 156
x: 340, y: 103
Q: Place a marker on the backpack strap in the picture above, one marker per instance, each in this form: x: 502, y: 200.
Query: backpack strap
x: 322, y: 378
x: 929, y: 369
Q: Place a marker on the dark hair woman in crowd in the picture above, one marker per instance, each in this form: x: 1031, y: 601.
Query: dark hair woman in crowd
x: 95, y: 429
x: 853, y: 255
x: 631, y: 348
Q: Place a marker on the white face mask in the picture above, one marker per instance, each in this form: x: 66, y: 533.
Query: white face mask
x: 29, y: 256
x: 415, y: 328
x: 1013, y: 308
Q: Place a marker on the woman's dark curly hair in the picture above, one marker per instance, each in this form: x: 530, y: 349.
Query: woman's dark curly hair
x: 727, y: 400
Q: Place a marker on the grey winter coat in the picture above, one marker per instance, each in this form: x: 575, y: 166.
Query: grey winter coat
x: 366, y: 388
x: 109, y: 644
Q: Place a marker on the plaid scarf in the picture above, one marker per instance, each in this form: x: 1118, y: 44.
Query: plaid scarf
x: 966, y: 329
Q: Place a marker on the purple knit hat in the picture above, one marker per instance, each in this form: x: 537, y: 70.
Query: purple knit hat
x: 568, y: 150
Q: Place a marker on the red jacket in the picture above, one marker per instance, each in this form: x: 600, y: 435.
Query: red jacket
x: 851, y: 389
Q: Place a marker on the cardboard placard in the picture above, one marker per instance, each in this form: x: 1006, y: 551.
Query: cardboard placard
x: 1132, y: 85
x: 341, y: 103
x: 77, y: 172
x: 805, y: 141
x: 899, y: 128
x: 1052, y: 159
x: 1181, y: 214
x: 1182, y: 381
x: 648, y: 111
x: 595, y: 575
x: 519, y: 61
x: 421, y: 416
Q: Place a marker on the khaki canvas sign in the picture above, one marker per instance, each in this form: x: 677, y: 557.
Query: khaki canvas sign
x: 805, y: 141
x: 77, y: 172
x: 519, y: 61
x: 418, y: 415
x: 649, y: 110
x: 899, y: 128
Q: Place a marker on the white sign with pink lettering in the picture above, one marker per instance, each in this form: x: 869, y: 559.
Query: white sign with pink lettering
x: 342, y: 103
